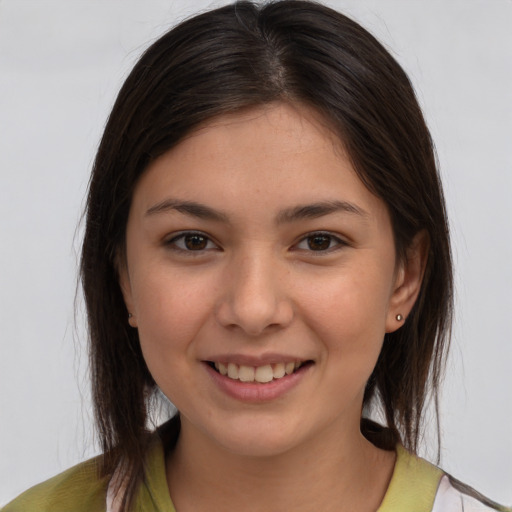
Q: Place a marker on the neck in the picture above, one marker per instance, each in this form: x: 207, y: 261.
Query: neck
x: 335, y: 472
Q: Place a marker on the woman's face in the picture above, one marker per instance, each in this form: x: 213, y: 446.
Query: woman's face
x: 254, y: 248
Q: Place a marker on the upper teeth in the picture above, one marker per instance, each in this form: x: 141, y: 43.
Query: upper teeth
x: 261, y: 374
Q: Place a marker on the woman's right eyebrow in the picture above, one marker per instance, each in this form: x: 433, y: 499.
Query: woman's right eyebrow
x: 191, y: 208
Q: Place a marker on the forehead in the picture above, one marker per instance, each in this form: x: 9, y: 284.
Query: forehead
x: 269, y: 157
x: 295, y: 123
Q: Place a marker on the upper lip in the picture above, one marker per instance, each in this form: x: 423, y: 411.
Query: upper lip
x: 250, y: 360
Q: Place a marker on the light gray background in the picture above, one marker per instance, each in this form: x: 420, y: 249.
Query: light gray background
x: 61, y: 64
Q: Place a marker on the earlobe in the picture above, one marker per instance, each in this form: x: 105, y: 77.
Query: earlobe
x: 407, y: 286
x: 132, y: 320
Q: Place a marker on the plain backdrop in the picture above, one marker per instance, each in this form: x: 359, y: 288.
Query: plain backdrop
x: 61, y: 65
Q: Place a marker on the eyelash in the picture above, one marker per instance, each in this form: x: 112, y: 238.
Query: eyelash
x: 174, y: 241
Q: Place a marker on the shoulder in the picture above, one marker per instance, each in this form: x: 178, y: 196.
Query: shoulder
x: 80, y: 489
x: 454, y: 497
x: 77, y: 489
x: 413, y: 485
x: 418, y: 486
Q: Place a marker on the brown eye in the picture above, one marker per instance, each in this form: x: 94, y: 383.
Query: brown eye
x: 195, y: 242
x: 319, y: 242
x: 191, y: 242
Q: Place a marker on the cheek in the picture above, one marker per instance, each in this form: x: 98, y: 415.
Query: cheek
x: 171, y: 309
x: 348, y: 313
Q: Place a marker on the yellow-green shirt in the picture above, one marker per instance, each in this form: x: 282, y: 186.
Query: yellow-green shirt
x: 413, y: 488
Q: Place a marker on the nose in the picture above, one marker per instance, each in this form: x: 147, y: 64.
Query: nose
x: 255, y: 296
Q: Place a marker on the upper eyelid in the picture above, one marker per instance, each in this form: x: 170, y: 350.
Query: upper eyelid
x: 178, y: 234
x: 336, y: 236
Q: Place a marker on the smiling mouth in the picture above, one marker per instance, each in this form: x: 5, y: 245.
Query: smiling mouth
x: 259, y: 374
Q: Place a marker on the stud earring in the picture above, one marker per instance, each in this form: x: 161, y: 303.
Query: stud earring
x: 399, y: 317
x: 130, y: 315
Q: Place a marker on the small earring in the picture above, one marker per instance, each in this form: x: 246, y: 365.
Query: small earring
x: 129, y: 315
x: 399, y: 317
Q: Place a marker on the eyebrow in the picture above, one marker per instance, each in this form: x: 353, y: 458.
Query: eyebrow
x: 288, y: 215
x: 320, y: 209
x: 191, y: 208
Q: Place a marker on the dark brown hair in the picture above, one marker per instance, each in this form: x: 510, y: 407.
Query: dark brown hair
x: 225, y: 60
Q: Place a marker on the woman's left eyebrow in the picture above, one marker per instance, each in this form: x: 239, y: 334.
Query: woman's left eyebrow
x: 319, y: 209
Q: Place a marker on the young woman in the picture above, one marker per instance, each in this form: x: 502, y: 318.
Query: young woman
x: 267, y: 246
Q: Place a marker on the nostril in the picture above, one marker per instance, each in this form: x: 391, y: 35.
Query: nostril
x: 254, y: 308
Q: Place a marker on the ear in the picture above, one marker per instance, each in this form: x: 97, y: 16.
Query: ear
x: 126, y: 289
x: 408, y: 280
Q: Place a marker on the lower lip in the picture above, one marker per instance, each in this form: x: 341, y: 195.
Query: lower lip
x: 256, y: 391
